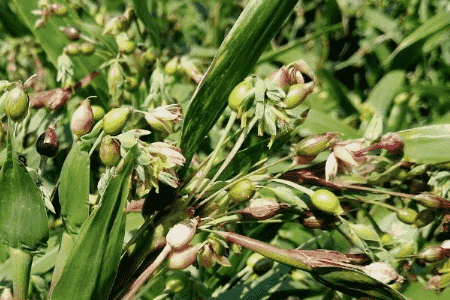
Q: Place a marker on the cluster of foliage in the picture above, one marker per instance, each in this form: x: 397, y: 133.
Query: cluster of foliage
x: 261, y: 149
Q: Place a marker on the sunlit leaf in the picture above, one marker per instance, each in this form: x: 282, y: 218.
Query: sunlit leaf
x: 426, y: 145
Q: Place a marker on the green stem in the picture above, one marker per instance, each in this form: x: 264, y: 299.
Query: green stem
x: 229, y: 158
x: 97, y: 141
x: 211, y: 160
x: 303, y: 189
x: 149, y: 271
x: 21, y: 261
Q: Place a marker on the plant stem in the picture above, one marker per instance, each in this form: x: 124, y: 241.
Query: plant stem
x: 149, y: 271
x: 213, y: 156
x: 21, y: 261
x: 232, y: 153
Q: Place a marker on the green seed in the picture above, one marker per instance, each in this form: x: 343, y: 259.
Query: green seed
x: 110, y: 151
x: 407, y: 215
x: 16, y: 104
x: 327, y: 202
x: 238, y: 94
x: 297, y: 94
x: 115, y: 120
x: 242, y: 191
x: 87, y: 48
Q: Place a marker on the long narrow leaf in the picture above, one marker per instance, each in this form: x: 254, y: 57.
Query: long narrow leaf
x: 235, y: 58
x: 382, y: 95
x: 93, y: 261
x: 74, y: 187
x: 439, y: 22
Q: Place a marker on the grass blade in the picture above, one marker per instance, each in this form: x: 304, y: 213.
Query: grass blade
x: 235, y: 58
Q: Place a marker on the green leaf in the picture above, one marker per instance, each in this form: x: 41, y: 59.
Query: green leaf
x: 375, y: 128
x: 53, y: 41
x: 355, y: 283
x: 235, y: 58
x: 92, y: 264
x: 426, y: 145
x: 439, y: 22
x: 23, y: 219
x: 382, y: 22
x: 74, y: 187
x: 336, y: 91
x: 382, y: 95
x: 150, y: 21
x: 319, y: 122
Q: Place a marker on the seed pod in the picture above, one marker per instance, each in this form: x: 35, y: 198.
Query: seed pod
x: 48, y: 143
x: 57, y: 9
x: 82, y: 119
x: 407, y: 215
x: 424, y: 218
x: 124, y: 44
x: 72, y: 49
x: 115, y: 79
x: 432, y: 201
x: 433, y: 254
x: 239, y: 92
x: 71, y: 33
x: 327, y: 202
x: 242, y: 191
x: 280, y: 77
x: 297, y: 94
x: 314, y: 221
x: 182, y: 233
x: 316, y: 144
x: 172, y: 65
x: 87, y: 48
x: 262, y: 209
x: 183, y: 257
x: 116, y: 25
x: 110, y: 151
x: 115, y: 120
x: 16, y: 103
x: 98, y: 111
